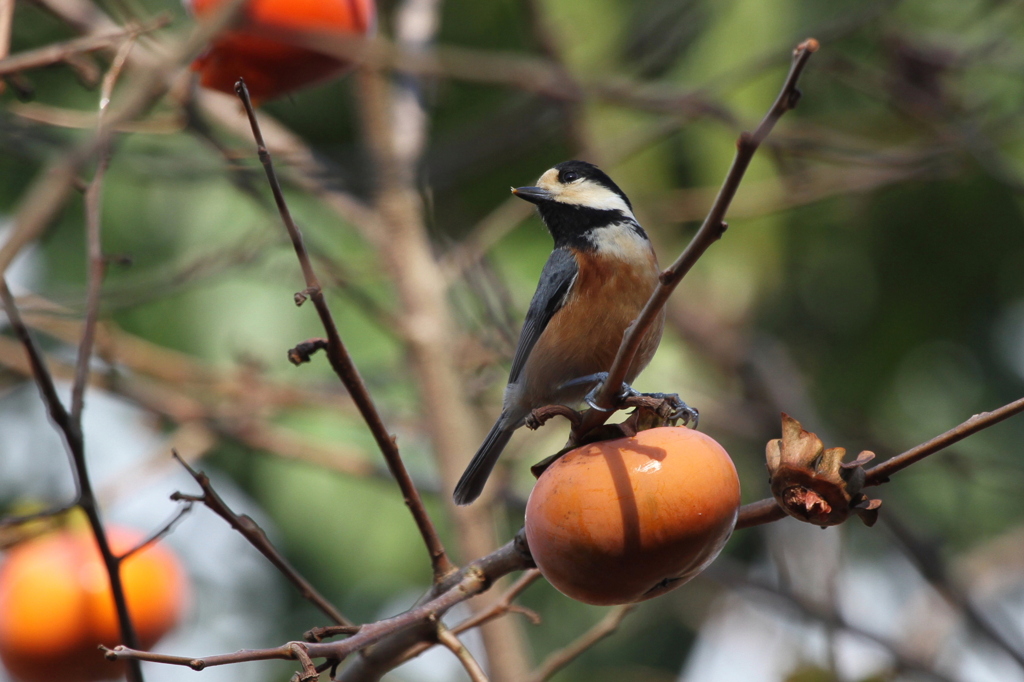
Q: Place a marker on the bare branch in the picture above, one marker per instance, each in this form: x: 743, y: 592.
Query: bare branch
x: 86, y: 499
x: 504, y: 604
x: 95, y: 262
x: 737, y: 579
x: 452, y: 643
x: 161, y: 532
x: 498, y: 609
x: 930, y: 564
x: 256, y: 536
x: 766, y: 511
x: 342, y: 362
x: 6, y: 21
x: 454, y: 589
x: 45, y: 198
x: 59, y: 52
x: 759, y: 513
x: 49, y: 513
x: 880, y: 473
x: 395, y: 122
x: 709, y: 233
x: 563, y: 657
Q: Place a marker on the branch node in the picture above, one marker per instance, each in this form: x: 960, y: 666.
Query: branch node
x: 302, y: 296
x: 794, y: 98
x: 810, y: 45
x: 319, y: 634
x: 303, y: 352
x: 540, y: 416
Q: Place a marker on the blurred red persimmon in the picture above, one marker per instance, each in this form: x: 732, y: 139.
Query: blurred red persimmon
x: 265, y: 47
x: 56, y: 607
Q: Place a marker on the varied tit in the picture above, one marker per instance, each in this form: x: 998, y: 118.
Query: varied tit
x: 594, y: 284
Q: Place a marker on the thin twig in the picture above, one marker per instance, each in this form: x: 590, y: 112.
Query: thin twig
x: 161, y: 532
x: 737, y: 579
x: 452, y: 643
x: 395, y: 120
x: 256, y: 536
x: 759, y: 513
x: 709, y: 233
x: 45, y: 198
x: 6, y: 21
x: 932, y: 568
x: 454, y: 589
x: 60, y: 52
x: 493, y: 67
x: 502, y: 605
x: 498, y: 609
x: 766, y: 511
x: 85, y: 497
x: 563, y: 657
x: 880, y: 473
x: 95, y: 262
x: 342, y: 363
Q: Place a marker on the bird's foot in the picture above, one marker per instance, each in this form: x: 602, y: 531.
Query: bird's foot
x: 672, y: 407
x: 675, y: 408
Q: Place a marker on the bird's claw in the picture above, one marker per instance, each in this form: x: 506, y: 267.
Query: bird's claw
x: 679, y: 410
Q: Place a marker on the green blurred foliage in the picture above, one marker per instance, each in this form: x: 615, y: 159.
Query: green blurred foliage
x: 896, y: 305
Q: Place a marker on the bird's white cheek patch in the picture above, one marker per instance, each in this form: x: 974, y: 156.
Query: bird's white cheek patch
x: 593, y: 195
x: 549, y: 181
x: 583, y: 193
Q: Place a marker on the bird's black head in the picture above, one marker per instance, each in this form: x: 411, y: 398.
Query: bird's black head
x: 576, y: 197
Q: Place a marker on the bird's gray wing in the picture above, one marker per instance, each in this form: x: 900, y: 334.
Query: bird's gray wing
x: 555, y: 281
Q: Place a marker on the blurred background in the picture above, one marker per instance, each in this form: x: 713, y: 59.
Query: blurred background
x: 871, y: 284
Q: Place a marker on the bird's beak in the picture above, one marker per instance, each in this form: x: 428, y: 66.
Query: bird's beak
x: 534, y: 195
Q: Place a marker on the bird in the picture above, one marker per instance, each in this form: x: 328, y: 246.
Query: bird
x: 596, y: 281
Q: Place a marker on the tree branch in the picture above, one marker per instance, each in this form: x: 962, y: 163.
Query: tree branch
x: 95, y: 263
x: 709, y: 233
x: 452, y: 643
x: 454, y: 589
x: 342, y: 363
x: 766, y: 511
x: 563, y: 657
x: 72, y: 433
x: 256, y: 536
x: 880, y: 473
x: 60, y: 52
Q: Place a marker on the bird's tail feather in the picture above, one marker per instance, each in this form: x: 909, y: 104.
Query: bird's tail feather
x: 472, y: 482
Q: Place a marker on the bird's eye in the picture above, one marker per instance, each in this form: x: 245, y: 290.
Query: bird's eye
x: 570, y: 176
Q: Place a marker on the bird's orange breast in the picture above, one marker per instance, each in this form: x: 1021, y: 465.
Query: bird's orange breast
x: 583, y: 337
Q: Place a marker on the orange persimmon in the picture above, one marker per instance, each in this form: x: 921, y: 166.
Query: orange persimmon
x: 56, y: 607
x: 265, y: 48
x: 624, y: 520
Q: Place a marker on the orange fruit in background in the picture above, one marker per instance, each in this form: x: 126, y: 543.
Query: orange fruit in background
x: 625, y: 520
x: 56, y: 607
x: 263, y: 48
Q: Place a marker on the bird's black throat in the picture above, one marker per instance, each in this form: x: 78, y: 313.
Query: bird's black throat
x: 570, y: 224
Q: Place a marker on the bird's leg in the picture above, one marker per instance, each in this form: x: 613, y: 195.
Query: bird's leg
x: 678, y: 409
x: 596, y: 380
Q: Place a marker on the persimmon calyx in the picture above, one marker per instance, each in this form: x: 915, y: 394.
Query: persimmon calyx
x: 812, y: 483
